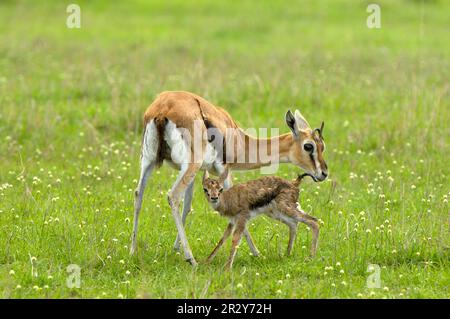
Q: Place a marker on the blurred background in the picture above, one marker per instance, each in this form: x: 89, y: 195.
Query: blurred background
x: 257, y: 58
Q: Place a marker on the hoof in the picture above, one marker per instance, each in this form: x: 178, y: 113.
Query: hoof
x: 176, y: 246
x: 192, y: 262
x: 228, y: 267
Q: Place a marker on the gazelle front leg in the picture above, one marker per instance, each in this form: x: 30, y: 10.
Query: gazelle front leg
x: 185, y: 177
x: 187, y: 204
x: 222, y: 240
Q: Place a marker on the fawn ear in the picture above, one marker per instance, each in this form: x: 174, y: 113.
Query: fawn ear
x: 205, y: 176
x: 301, y: 121
x: 224, y: 175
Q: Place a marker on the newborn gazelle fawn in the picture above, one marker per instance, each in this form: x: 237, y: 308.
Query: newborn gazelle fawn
x: 270, y: 195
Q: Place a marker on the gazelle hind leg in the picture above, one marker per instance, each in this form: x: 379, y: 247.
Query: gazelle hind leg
x: 138, y: 195
x: 185, y: 177
x: 187, y: 204
x: 148, y: 156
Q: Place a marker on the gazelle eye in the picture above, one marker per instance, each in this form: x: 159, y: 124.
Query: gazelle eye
x: 221, y: 190
x: 205, y: 190
x: 308, y: 147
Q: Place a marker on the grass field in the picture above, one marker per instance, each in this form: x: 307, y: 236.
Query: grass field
x: 71, y: 106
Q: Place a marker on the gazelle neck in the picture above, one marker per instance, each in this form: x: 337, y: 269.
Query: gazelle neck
x: 268, y: 151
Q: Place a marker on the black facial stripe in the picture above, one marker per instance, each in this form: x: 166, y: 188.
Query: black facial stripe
x: 319, y: 142
x: 312, y: 159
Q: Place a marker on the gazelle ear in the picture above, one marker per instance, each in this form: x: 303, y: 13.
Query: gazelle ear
x: 301, y: 121
x: 290, y: 121
x: 224, y: 175
x: 205, y: 176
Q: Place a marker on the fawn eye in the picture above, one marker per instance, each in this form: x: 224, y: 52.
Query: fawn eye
x: 221, y: 190
x: 308, y: 147
x: 205, y: 190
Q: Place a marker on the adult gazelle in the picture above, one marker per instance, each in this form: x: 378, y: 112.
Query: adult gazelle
x: 171, y: 126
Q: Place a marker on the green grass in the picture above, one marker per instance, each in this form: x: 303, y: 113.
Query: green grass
x: 71, y: 105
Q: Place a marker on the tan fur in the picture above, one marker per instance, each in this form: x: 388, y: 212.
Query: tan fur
x: 271, y: 195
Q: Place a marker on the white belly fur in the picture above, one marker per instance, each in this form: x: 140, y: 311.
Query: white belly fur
x: 180, y: 153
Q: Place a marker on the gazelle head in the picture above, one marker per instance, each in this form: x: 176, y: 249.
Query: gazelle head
x: 308, y: 147
x: 213, y: 188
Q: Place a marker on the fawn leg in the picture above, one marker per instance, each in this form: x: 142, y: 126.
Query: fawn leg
x: 237, y: 236
x: 292, y: 236
x: 302, y: 217
x: 228, y: 183
x: 315, y: 232
x: 291, y: 223
x: 222, y: 240
x: 250, y: 243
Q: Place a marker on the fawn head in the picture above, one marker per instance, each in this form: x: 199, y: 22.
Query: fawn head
x: 213, y: 188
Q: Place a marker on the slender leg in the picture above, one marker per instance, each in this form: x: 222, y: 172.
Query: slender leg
x: 185, y: 177
x: 302, y: 217
x: 228, y: 183
x: 292, y: 235
x: 315, y: 231
x: 187, y: 204
x: 148, y: 155
x: 146, y: 169
x: 222, y: 240
x: 237, y: 236
x: 250, y: 243
x: 289, y: 221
